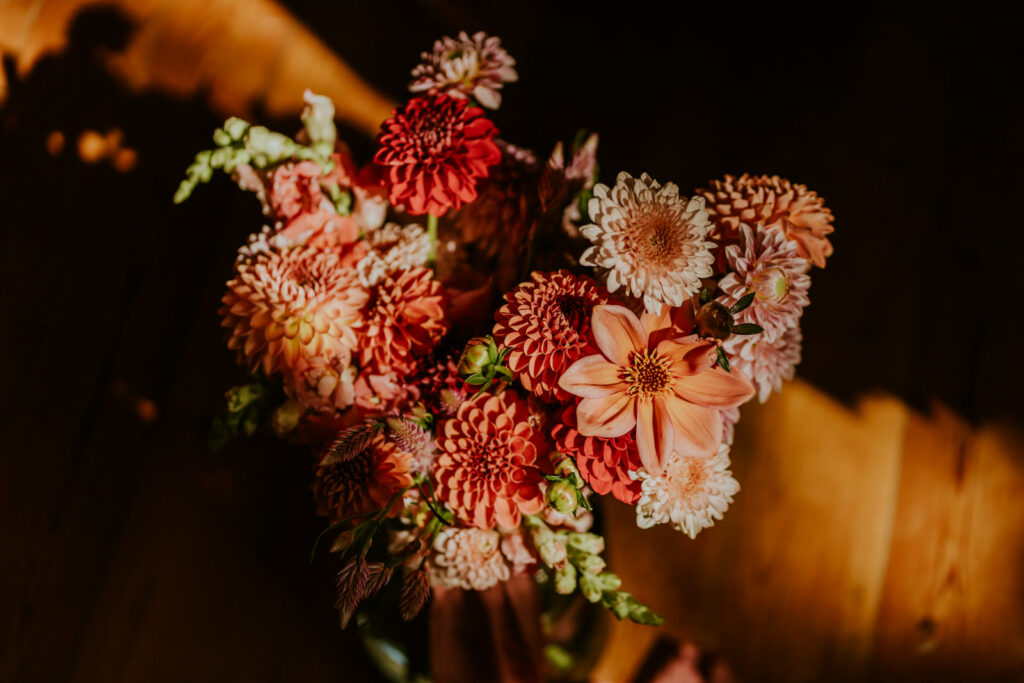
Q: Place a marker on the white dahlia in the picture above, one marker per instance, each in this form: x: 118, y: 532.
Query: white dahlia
x: 766, y: 362
x: 464, y: 66
x: 649, y: 240
x: 393, y: 247
x: 690, y: 493
x: 470, y: 559
x: 769, y: 265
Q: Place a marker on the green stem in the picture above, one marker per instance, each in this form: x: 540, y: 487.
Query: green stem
x: 432, y: 234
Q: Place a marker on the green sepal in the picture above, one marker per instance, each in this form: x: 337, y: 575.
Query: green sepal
x: 744, y: 301
x: 723, y: 360
x: 747, y: 328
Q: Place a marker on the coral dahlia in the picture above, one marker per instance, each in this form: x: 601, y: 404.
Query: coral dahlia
x: 605, y: 464
x: 546, y: 323
x: 773, y: 202
x: 365, y: 483
x: 403, y: 320
x: 768, y: 265
x: 474, y: 66
x: 766, y: 361
x: 487, y: 468
x: 434, y: 152
x: 286, y: 307
x: 470, y: 559
x: 649, y: 240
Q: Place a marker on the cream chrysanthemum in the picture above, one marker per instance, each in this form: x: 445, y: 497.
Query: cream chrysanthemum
x: 769, y: 265
x: 649, y: 240
x: 766, y: 361
x: 470, y: 559
x: 464, y: 66
x: 393, y: 247
x: 690, y: 493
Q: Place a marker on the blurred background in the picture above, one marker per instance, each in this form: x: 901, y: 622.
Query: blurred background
x: 880, y: 531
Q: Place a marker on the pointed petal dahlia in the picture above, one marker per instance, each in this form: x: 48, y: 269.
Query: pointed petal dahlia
x: 403, y: 320
x: 474, y: 66
x: 546, y: 323
x: 667, y: 392
x: 434, y: 152
x: 766, y: 361
x: 604, y: 464
x: 768, y: 265
x: 365, y: 483
x: 773, y: 202
x: 486, y: 471
x: 288, y: 307
x: 649, y: 240
x: 690, y: 493
x: 470, y: 559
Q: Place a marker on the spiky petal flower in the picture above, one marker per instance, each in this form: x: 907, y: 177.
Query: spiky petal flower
x: 690, y: 493
x: 667, y: 390
x: 470, y: 559
x: 487, y: 470
x: 364, y: 483
x: 770, y: 266
x: 435, y: 150
x: 773, y: 202
x: 403, y: 320
x: 605, y: 464
x: 546, y: 323
x: 649, y: 240
x: 412, y: 439
x: 393, y: 247
x: 474, y: 66
x: 288, y: 307
x: 766, y: 361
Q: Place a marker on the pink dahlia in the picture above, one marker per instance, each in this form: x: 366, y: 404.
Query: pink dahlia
x: 487, y: 468
x: 474, y: 66
x: 546, y: 323
x: 435, y: 150
x: 605, y: 464
x: 773, y: 202
x: 766, y: 361
x: 403, y: 320
x: 649, y: 240
x: 770, y: 266
x: 324, y: 384
x: 470, y: 559
x: 288, y: 307
x: 365, y: 483
x: 667, y: 391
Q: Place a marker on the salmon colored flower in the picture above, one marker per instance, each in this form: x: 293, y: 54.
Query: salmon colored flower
x: 667, y: 391
x: 605, y: 464
x: 434, y: 151
x: 486, y: 471
x: 365, y: 483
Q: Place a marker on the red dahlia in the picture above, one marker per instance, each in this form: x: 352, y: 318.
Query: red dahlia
x: 605, y: 464
x: 434, y: 152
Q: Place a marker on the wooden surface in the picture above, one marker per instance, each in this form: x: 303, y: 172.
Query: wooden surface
x: 881, y: 542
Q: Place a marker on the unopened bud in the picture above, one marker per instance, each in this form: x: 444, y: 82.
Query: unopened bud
x: 286, y: 418
x: 475, y: 358
x: 586, y: 543
x: 608, y: 581
x: 552, y: 551
x: 592, y: 564
x: 563, y: 497
x: 590, y: 587
x: 565, y: 579
x: 714, y: 320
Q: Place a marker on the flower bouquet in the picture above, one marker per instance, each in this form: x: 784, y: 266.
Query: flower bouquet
x: 477, y: 344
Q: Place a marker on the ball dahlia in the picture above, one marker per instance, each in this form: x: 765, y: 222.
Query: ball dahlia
x: 434, y: 151
x: 403, y: 320
x: 365, y: 483
x: 773, y: 202
x: 689, y: 493
x: 649, y: 240
x: 546, y: 323
x: 766, y: 361
x: 470, y: 559
x: 768, y: 265
x: 474, y: 66
x: 487, y: 468
x: 605, y: 464
x: 288, y: 307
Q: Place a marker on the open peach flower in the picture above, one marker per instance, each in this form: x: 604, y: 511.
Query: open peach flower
x: 666, y: 389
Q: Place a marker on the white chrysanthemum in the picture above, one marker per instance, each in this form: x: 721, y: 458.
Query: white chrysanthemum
x: 769, y: 265
x: 470, y: 559
x: 474, y: 66
x: 393, y: 247
x: 690, y: 493
x: 649, y: 240
x: 766, y: 362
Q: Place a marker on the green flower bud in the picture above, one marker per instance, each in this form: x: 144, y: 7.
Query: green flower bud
x: 565, y: 579
x: 563, y: 497
x: 592, y: 564
x: 243, y: 395
x: 590, y: 587
x: 286, y: 417
x: 552, y: 552
x: 221, y: 138
x: 587, y: 543
x: 475, y: 358
x: 608, y: 581
x: 714, y: 320
x: 235, y: 128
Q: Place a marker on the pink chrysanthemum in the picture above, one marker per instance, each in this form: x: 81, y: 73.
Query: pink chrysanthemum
x: 403, y: 320
x: 649, y: 240
x: 434, y: 151
x: 605, y: 464
x: 470, y: 559
x: 773, y: 202
x: 766, y: 362
x: 285, y: 308
x: 770, y: 266
x: 474, y: 66
x: 486, y: 472
x: 546, y: 323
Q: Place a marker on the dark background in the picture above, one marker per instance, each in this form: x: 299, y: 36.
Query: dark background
x: 905, y: 117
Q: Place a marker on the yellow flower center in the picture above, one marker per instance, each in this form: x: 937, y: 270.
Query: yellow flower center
x: 771, y: 285
x: 647, y: 375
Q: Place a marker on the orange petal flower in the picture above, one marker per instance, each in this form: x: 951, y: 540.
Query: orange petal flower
x: 667, y: 391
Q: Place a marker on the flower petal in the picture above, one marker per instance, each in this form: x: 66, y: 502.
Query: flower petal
x: 592, y: 377
x: 606, y: 416
x: 618, y: 333
x: 689, y: 355
x: 655, y: 433
x: 698, y: 429
x: 715, y: 388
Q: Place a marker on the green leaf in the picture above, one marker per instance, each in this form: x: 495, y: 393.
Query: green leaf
x: 744, y: 301
x: 705, y: 296
x: 723, y: 360
x: 747, y: 328
x: 476, y: 379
